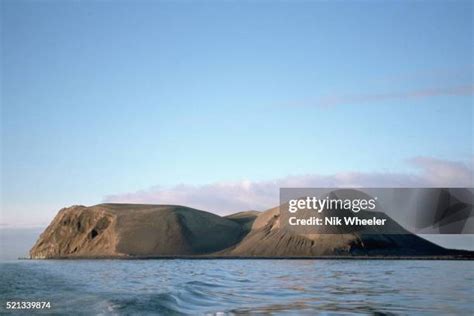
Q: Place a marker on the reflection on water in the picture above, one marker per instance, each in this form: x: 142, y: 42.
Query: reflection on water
x: 242, y: 286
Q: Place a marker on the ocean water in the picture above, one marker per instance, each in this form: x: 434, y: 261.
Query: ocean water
x: 177, y: 287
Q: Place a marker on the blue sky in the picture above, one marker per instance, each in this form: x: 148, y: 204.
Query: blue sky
x: 102, y: 98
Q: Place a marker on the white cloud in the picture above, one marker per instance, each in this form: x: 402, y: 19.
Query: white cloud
x: 228, y: 197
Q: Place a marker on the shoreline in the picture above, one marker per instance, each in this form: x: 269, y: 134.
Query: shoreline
x: 441, y: 258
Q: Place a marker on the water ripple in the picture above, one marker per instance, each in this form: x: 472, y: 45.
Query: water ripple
x: 180, y: 287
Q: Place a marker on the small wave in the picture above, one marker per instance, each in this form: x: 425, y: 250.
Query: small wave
x: 163, y: 303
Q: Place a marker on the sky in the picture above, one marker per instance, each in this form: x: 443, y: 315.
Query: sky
x: 216, y: 105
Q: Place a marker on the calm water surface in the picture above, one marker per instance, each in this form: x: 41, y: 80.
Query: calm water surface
x: 242, y: 286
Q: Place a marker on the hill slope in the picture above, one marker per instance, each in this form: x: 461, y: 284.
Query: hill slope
x: 268, y: 238
x: 114, y: 230
x: 244, y: 219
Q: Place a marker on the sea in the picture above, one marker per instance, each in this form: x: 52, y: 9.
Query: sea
x: 228, y: 287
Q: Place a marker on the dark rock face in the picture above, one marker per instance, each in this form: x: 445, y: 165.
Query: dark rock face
x: 77, y: 231
x: 134, y: 230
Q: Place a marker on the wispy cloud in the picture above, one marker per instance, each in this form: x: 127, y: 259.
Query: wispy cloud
x: 227, y: 197
x: 448, y: 75
x: 435, y: 82
x: 460, y: 90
